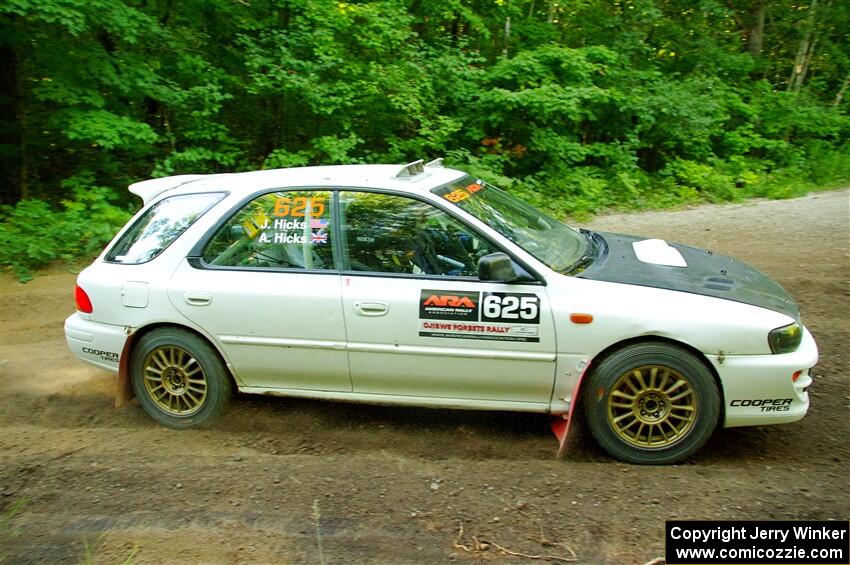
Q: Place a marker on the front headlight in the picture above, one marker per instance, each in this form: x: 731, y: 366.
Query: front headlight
x: 785, y: 339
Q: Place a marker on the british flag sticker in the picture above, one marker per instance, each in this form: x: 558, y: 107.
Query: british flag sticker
x: 318, y: 237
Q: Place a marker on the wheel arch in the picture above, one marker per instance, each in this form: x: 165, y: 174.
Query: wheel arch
x: 124, y: 391
x: 599, y: 357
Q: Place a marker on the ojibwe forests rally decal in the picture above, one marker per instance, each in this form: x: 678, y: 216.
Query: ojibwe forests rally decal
x: 499, y: 316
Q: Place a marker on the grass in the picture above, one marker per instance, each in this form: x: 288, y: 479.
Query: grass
x: 91, y: 552
x: 8, y: 529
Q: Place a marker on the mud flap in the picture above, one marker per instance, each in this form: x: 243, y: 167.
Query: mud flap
x: 560, y: 423
x: 124, y: 389
x: 560, y: 427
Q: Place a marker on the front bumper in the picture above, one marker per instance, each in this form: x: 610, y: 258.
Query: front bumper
x: 759, y: 390
x: 95, y: 343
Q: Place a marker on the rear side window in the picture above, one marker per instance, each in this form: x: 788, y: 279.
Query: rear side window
x: 280, y: 230
x: 157, y: 228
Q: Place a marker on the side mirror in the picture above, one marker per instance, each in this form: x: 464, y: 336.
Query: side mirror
x: 498, y: 267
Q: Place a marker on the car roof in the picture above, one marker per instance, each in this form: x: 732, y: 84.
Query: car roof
x: 413, y: 177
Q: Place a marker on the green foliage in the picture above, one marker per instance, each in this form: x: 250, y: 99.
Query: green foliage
x: 33, y: 233
x: 582, y: 106
x: 105, y: 129
x: 703, y: 178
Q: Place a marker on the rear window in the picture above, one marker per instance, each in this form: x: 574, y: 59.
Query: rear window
x: 159, y: 226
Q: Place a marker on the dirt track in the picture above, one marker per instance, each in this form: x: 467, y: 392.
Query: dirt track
x: 280, y: 480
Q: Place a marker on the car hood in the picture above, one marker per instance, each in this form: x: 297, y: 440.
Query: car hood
x: 655, y: 263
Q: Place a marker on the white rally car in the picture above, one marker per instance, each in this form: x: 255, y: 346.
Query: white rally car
x: 423, y: 286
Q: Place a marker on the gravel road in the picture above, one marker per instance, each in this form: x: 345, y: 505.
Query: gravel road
x: 294, y: 481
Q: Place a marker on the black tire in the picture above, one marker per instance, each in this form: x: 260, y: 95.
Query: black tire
x: 667, y: 419
x: 179, y: 378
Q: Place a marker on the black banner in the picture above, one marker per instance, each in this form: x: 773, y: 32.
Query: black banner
x: 448, y: 305
x: 757, y: 542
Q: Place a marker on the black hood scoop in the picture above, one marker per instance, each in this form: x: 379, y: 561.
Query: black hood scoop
x: 706, y: 273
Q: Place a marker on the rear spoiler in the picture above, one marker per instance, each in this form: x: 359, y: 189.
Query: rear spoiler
x: 147, y: 190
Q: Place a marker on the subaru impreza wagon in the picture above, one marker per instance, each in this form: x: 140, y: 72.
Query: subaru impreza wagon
x: 421, y: 285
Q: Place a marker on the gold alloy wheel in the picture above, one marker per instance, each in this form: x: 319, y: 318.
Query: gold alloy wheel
x: 174, y: 380
x: 652, y: 407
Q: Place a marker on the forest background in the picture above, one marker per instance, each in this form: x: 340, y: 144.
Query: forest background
x: 575, y: 105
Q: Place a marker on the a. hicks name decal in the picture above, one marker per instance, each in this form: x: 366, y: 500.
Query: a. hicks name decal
x: 500, y: 316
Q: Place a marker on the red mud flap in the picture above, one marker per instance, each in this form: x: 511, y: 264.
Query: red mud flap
x: 560, y: 424
x: 561, y: 427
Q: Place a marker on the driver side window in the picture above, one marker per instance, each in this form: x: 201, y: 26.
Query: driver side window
x: 385, y: 233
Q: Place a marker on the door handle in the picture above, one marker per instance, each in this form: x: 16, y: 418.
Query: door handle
x: 197, y: 298
x: 371, y: 308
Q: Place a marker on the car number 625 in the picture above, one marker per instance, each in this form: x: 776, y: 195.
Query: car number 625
x: 506, y: 307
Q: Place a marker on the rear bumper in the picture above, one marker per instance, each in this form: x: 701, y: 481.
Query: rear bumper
x: 95, y: 343
x: 758, y: 389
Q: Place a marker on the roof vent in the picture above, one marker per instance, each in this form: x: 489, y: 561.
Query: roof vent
x: 436, y: 163
x: 410, y: 170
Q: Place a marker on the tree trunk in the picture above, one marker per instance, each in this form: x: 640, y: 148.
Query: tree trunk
x: 755, y: 35
x: 807, y: 60
x: 840, y: 96
x: 507, y: 36
x: 455, y: 29
x: 16, y: 75
x: 805, y: 51
x: 163, y: 19
x: 750, y: 25
x: 418, y: 22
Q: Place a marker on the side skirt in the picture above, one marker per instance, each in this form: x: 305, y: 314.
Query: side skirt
x: 398, y: 400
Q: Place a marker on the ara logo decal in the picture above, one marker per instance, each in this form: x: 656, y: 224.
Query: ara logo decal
x: 449, y: 300
x: 448, y: 305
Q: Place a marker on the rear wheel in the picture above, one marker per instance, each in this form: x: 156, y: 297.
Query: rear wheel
x: 178, y: 378
x: 651, y: 403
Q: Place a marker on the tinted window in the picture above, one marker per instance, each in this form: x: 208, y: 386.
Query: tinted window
x: 159, y: 226
x: 280, y: 230
x: 395, y: 234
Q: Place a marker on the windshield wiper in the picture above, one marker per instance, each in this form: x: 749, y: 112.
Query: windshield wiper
x: 587, y: 257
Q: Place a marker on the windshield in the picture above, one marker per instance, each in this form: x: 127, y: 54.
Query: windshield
x: 558, y: 246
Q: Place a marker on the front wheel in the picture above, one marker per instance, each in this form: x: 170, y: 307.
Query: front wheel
x: 651, y: 403
x: 178, y: 378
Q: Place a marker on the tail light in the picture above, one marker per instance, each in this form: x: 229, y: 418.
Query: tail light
x: 83, y: 302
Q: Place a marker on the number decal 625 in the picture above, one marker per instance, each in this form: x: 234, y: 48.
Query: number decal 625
x: 510, y: 307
